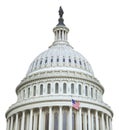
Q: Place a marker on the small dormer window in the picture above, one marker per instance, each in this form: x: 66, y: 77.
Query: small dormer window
x: 63, y: 59
x: 69, y: 60
x: 57, y: 59
x: 40, y: 62
x: 75, y: 61
x: 80, y: 62
x: 46, y: 60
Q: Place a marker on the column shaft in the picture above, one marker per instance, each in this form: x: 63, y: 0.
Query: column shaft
x: 11, y: 125
x: 35, y: 122
x: 16, y: 122
x: 92, y: 121
x: 40, y: 118
x: 107, y: 122
x: 102, y: 120
x: 31, y: 120
x: 80, y: 119
x: 50, y: 118
x: 97, y: 122
x: 89, y: 120
x: 23, y: 120
x: 60, y: 118
x: 70, y: 119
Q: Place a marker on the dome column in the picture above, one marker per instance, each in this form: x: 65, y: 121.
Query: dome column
x: 40, y: 118
x: 92, y: 121
x: 89, y: 120
x: 110, y: 123
x: 96, y: 118
x: 102, y: 120
x: 16, y: 122
x: 35, y: 121
x: 50, y: 118
x: 60, y: 118
x: 80, y: 119
x: 107, y: 122
x: 70, y: 118
x: 23, y: 120
x: 31, y: 120
x: 11, y: 124
x: 8, y: 124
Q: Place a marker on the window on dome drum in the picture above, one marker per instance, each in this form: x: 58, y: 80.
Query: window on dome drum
x: 73, y: 121
x: 24, y: 93
x: 41, y: 89
x: 72, y: 88
x: 47, y: 121
x: 86, y: 91
x: 64, y: 120
x: 56, y: 87
x: 64, y: 88
x: 79, y: 89
x: 56, y: 121
x: 34, y: 91
x: 92, y: 92
x: 28, y: 92
x: 48, y: 88
x: 96, y: 94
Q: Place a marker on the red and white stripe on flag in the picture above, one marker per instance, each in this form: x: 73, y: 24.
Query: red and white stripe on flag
x: 75, y: 104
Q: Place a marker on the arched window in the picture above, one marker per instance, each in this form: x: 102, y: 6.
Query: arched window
x: 96, y: 94
x: 64, y: 120
x: 56, y: 121
x: 72, y: 88
x: 28, y: 92
x: 79, y: 89
x: 64, y: 88
x: 48, y: 89
x: 41, y: 89
x: 47, y: 121
x: 92, y: 92
x: 86, y: 91
x: 24, y: 93
x: 56, y: 87
x: 34, y: 91
x: 73, y: 121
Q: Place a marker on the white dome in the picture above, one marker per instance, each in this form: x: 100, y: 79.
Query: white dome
x: 60, y: 55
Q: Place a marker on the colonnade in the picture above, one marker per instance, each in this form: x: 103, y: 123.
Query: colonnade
x: 35, y: 119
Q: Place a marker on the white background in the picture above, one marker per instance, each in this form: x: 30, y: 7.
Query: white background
x: 26, y: 30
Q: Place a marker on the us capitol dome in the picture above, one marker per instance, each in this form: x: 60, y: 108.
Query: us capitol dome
x: 59, y: 91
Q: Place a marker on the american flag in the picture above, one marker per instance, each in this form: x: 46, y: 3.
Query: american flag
x: 75, y: 104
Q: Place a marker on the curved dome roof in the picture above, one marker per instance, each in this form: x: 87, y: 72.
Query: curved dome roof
x: 60, y: 55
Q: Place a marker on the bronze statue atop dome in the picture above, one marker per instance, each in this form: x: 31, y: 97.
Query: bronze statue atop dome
x: 61, y: 12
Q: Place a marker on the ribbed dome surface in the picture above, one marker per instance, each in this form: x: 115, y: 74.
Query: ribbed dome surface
x: 60, y: 55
